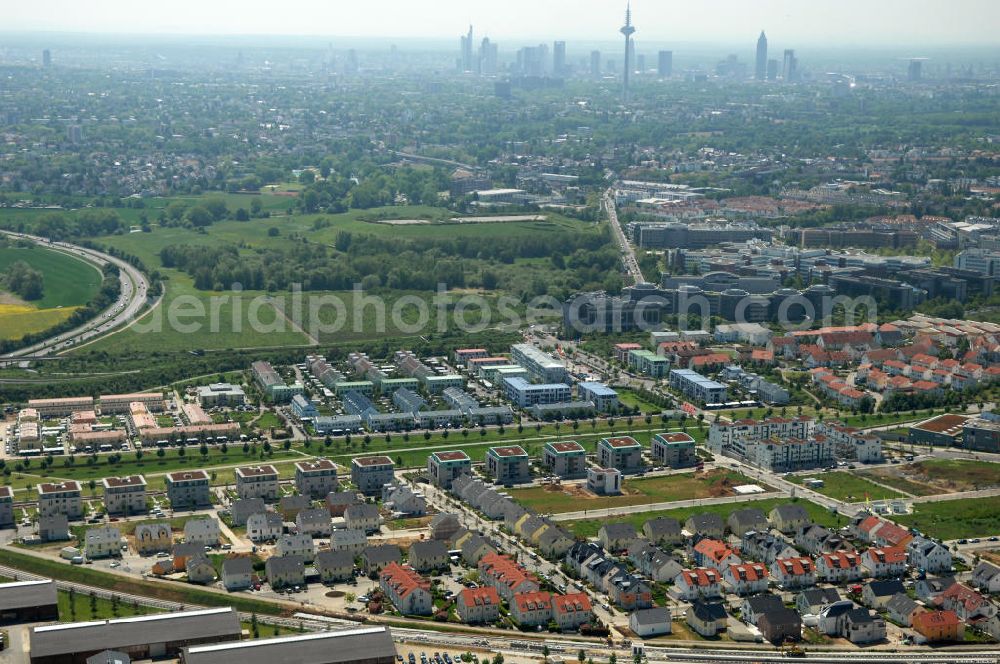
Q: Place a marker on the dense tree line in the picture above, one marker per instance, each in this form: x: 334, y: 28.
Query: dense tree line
x: 23, y: 280
x: 401, y: 264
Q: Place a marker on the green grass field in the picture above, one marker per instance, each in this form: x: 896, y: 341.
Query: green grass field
x: 954, y: 519
x: 633, y: 400
x: 687, y: 486
x: 848, y: 487
x: 68, y: 281
x: 822, y: 516
x: 222, y: 329
x: 175, y: 592
x: 79, y: 607
x: 901, y: 483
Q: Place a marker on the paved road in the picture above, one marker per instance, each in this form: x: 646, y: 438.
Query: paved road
x: 942, y: 497
x: 653, y: 507
x: 134, y: 290
x: 628, y: 253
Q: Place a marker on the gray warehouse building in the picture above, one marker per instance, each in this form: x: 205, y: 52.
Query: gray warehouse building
x: 363, y: 645
x: 140, y: 637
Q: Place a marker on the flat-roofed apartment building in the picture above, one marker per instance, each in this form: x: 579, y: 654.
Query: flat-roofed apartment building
x: 61, y: 498
x: 60, y: 407
x: 188, y: 489
x: 370, y: 474
x: 359, y: 645
x: 257, y: 482
x: 698, y: 387
x: 316, y: 477
x: 621, y: 452
x: 114, y: 404
x: 675, y: 449
x: 221, y: 394
x: 140, y: 637
x: 508, y: 464
x: 566, y: 459
x: 782, y: 455
x: 525, y: 394
x: 445, y: 466
x: 543, y: 367
x: 125, y: 495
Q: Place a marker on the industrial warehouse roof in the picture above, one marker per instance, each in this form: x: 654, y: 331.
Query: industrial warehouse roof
x: 89, y: 637
x: 25, y: 594
x: 349, y: 645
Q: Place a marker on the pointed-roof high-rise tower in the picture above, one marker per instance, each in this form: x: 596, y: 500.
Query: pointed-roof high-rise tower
x: 760, y: 66
x: 628, y: 30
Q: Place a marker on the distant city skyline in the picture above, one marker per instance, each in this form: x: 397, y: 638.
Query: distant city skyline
x: 848, y: 22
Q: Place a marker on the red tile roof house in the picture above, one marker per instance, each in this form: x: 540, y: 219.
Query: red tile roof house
x: 531, y: 608
x: 746, y: 578
x: 793, y: 573
x: 879, y: 356
x: 409, y: 592
x: 889, y: 534
x: 939, y: 626
x: 865, y: 529
x: 478, y: 605
x: 572, y: 610
x: 839, y: 567
x: 715, y: 554
x: 884, y: 562
x: 966, y: 602
x: 506, y: 576
x: 698, y: 582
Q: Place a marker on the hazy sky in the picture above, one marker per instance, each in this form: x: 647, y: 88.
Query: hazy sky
x: 803, y: 22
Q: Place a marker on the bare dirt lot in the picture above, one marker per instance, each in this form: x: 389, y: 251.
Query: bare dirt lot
x: 937, y: 476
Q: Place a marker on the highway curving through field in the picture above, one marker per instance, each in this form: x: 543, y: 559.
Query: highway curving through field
x: 131, y: 300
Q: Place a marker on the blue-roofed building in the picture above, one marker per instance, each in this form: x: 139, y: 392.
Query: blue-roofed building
x: 304, y: 409
x: 408, y: 401
x: 603, y: 397
x: 459, y: 399
x: 356, y: 403
x: 525, y: 394
x: 698, y: 387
